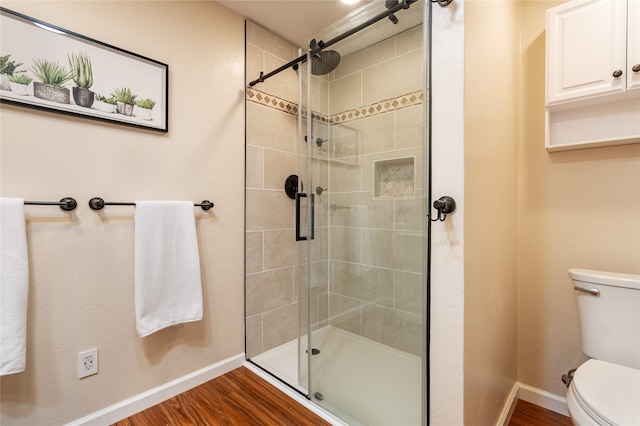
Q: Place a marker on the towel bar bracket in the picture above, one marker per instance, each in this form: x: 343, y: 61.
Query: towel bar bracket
x: 96, y: 203
x: 67, y: 203
x: 205, y: 205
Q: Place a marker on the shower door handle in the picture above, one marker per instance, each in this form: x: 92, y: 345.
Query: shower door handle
x: 298, y: 236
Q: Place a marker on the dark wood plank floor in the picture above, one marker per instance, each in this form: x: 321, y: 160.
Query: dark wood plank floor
x: 527, y: 414
x: 240, y: 398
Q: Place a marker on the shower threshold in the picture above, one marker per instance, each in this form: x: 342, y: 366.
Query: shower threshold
x: 361, y: 381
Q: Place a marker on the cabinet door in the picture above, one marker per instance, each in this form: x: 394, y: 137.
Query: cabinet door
x: 585, y: 47
x: 633, y: 44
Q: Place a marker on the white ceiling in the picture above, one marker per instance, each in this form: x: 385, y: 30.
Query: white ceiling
x: 293, y: 20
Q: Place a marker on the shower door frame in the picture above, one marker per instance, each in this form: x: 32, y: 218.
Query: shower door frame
x: 305, y: 326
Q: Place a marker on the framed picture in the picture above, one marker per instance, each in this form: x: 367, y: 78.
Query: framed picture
x: 49, y: 68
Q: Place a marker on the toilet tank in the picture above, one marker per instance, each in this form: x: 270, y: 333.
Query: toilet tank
x: 610, y: 320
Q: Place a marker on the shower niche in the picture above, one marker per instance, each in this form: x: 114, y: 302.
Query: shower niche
x: 394, y: 178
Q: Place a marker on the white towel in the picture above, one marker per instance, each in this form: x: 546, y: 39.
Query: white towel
x: 168, y: 287
x: 14, y: 286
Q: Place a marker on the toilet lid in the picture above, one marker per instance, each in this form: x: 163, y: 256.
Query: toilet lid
x: 612, y: 391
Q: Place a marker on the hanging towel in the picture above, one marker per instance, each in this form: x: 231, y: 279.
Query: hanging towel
x: 168, y: 288
x: 14, y: 286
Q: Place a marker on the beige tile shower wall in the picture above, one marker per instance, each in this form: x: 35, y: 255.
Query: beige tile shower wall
x: 271, y: 253
x: 272, y: 154
x: 383, y: 71
x: 375, y: 242
x: 265, y: 52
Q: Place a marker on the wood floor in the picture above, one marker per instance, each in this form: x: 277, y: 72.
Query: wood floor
x: 241, y: 398
x: 527, y: 414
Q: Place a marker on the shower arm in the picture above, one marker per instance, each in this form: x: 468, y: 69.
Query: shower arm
x: 403, y: 4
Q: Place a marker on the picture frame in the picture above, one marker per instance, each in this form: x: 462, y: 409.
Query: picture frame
x: 71, y: 74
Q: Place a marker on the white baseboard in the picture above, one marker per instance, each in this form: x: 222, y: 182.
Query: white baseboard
x: 535, y: 396
x: 137, y: 403
x: 543, y: 399
x: 509, y: 406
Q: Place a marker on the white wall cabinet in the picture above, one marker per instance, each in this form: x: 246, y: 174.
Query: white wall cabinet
x: 586, y: 42
x: 633, y: 44
x: 593, y: 74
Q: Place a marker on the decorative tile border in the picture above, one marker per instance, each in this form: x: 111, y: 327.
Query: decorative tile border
x: 388, y: 105
x: 280, y: 104
x: 271, y: 101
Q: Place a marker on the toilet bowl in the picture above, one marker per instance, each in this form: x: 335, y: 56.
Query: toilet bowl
x: 602, y: 393
x: 605, y: 390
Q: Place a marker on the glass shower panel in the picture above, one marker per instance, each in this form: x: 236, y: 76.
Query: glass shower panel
x: 366, y: 141
x: 275, y: 301
x: 313, y: 214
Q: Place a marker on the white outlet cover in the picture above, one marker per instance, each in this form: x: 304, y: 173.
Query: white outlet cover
x: 87, y: 363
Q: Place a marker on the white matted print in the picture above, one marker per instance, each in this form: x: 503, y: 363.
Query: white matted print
x: 49, y: 68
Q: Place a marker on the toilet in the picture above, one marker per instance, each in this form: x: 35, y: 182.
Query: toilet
x: 605, y: 390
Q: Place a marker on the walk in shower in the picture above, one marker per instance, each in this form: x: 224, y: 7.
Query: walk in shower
x: 336, y: 213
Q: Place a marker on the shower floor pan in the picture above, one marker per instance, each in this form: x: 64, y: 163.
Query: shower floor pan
x: 361, y: 381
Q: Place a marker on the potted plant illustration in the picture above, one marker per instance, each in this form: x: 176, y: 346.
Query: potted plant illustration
x: 104, y: 104
x: 52, y: 77
x: 83, y: 77
x: 125, y: 100
x: 20, y: 84
x: 145, y: 108
x: 7, y: 69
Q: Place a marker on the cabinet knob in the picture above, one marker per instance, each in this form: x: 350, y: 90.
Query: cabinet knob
x: 617, y: 73
x: 636, y: 68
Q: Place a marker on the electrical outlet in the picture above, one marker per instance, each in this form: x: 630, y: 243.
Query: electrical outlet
x: 87, y: 363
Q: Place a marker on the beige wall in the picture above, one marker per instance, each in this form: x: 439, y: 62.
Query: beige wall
x: 491, y: 154
x: 576, y: 208
x: 81, y: 264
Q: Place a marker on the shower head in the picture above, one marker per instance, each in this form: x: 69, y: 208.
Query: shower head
x: 323, y: 62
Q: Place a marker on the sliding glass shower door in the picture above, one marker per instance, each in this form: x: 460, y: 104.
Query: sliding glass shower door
x: 362, y: 157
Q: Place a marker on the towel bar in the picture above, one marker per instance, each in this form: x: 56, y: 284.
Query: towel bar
x: 97, y: 203
x: 67, y: 204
